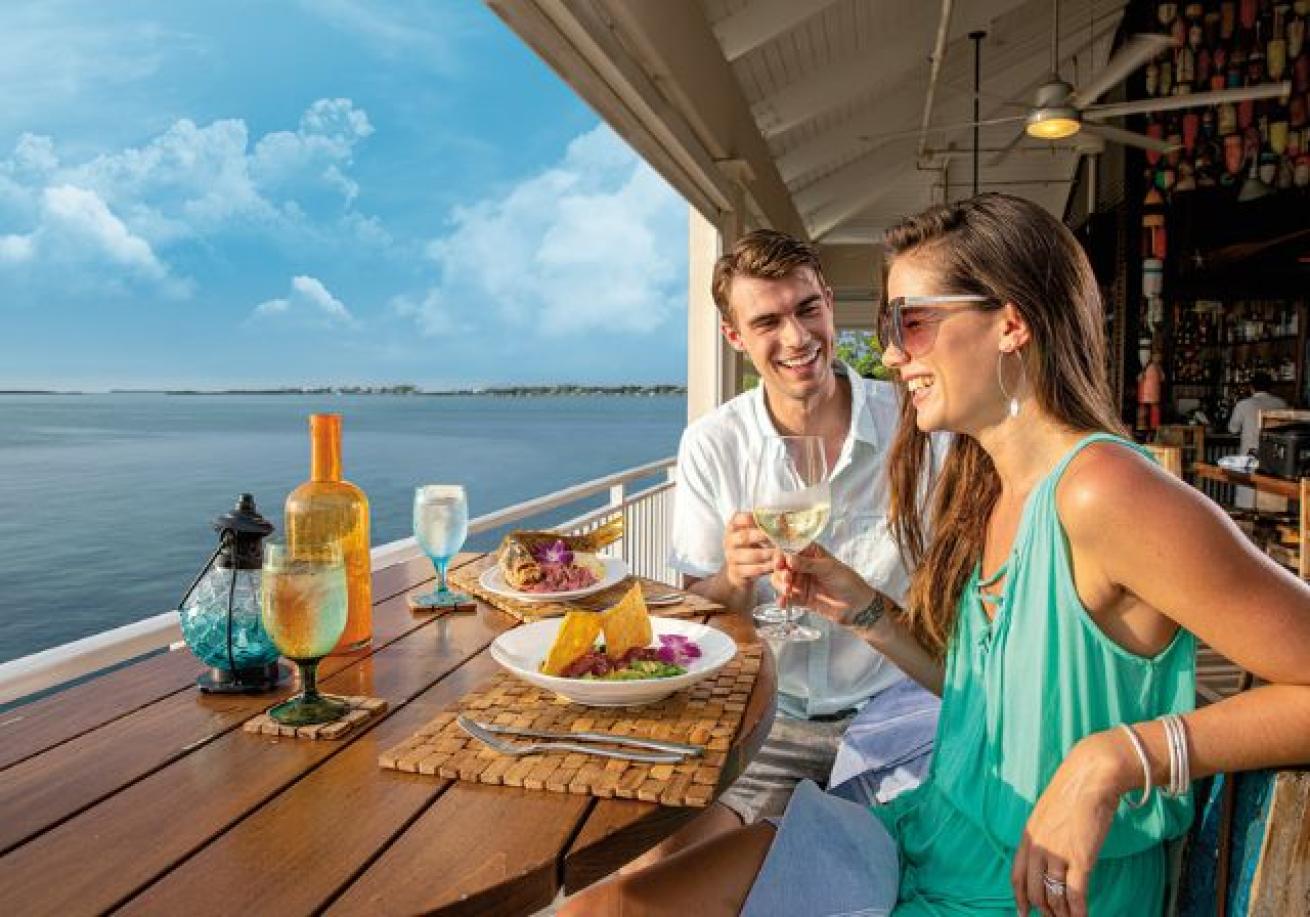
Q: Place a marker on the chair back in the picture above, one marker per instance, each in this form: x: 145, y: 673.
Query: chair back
x: 1190, y: 438
x: 1248, y: 851
x: 1169, y: 457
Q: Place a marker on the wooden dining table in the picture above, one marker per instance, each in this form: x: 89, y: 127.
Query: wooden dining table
x: 134, y: 792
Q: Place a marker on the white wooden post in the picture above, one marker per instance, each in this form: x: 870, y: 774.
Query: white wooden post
x: 711, y: 363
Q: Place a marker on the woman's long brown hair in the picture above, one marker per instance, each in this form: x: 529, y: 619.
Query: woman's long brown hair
x: 1012, y: 251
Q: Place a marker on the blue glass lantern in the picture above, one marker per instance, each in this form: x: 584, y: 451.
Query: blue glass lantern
x: 220, y: 613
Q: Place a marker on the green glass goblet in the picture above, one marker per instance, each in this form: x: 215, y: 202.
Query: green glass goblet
x: 303, y: 599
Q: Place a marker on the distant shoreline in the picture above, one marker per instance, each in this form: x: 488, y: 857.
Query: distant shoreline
x: 509, y: 391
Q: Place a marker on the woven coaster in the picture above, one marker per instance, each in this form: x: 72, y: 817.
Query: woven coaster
x: 362, y: 710
x: 708, y: 713
x: 416, y: 608
x: 466, y: 580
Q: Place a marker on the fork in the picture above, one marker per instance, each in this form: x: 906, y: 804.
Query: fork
x: 516, y: 750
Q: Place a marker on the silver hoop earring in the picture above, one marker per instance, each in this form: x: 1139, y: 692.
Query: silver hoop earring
x: 1013, y: 400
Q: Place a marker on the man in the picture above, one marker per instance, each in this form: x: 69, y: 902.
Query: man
x: 1246, y: 423
x: 776, y: 308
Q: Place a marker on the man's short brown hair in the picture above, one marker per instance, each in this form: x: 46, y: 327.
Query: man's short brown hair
x: 764, y: 254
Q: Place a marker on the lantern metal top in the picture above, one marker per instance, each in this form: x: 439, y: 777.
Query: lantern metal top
x: 244, y: 519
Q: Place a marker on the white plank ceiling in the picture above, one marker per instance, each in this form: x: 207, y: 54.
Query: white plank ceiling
x: 827, y: 82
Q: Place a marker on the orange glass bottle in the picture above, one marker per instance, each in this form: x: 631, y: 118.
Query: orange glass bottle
x: 326, y: 507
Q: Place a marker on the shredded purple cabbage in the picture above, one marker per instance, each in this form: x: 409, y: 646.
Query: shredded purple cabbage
x: 676, y: 649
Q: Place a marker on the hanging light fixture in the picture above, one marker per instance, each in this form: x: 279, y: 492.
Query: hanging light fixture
x: 1053, y: 118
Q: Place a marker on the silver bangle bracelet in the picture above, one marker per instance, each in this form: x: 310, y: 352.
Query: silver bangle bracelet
x: 1171, y: 742
x: 1146, y: 769
x: 1180, y: 765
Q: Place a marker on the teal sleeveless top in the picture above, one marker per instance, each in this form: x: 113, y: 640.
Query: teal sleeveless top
x: 1020, y: 690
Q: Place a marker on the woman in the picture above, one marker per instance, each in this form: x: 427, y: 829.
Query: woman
x: 1056, y: 600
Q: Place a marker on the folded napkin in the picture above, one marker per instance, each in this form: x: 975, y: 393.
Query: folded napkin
x: 888, y: 746
x: 1243, y: 463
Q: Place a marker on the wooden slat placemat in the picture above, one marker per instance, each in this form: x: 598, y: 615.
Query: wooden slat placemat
x: 708, y: 713
x: 466, y: 580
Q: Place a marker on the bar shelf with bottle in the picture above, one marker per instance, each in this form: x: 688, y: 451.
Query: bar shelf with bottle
x: 1220, y: 346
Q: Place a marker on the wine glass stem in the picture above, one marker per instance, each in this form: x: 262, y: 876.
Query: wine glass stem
x: 786, y: 625
x: 308, y: 679
x: 440, y: 563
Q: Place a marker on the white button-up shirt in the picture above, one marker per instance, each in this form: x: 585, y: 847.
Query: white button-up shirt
x: 840, y: 670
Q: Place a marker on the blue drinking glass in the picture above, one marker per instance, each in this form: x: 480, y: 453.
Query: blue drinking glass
x: 441, y: 523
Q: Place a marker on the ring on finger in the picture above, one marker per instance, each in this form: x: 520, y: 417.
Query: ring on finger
x: 1055, y: 886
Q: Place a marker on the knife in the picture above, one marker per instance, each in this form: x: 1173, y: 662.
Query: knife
x: 635, y: 741
x: 511, y: 748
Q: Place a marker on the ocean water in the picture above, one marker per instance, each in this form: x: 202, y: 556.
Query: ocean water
x: 106, y: 500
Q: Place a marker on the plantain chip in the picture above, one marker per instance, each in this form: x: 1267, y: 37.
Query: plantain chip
x: 627, y: 624
x: 576, y: 636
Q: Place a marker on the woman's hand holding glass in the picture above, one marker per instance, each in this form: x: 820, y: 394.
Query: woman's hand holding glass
x: 822, y: 583
x: 791, y: 502
x: 441, y: 523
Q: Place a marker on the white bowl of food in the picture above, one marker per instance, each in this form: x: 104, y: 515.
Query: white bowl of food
x: 522, y: 651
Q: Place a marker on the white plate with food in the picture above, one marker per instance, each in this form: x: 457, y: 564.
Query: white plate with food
x: 554, y: 567
x: 676, y: 654
x: 610, y: 572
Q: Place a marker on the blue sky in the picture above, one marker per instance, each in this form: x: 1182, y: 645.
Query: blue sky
x: 318, y: 192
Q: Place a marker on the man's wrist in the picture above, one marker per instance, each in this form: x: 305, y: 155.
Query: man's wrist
x: 726, y: 590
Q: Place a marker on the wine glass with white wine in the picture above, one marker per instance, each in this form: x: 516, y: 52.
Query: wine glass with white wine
x: 791, y: 502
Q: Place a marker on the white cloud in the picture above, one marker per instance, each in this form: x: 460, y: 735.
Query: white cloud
x: 35, y: 153
x: 83, y: 217
x: 186, y: 182
x: 429, y: 313
x: 578, y: 247
x: 16, y: 249
x: 309, y: 302
x: 76, y: 220
x: 127, y: 208
x: 325, y: 141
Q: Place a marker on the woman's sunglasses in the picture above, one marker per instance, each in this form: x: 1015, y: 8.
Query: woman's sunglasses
x: 909, y: 323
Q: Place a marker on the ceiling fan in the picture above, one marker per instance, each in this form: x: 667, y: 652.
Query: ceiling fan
x: 1060, y: 110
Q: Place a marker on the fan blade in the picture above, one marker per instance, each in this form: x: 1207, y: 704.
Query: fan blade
x: 1189, y: 100
x: 1129, y: 138
x: 939, y: 128
x: 1138, y: 50
x: 1007, y: 149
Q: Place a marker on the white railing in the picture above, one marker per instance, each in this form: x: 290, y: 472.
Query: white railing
x: 647, y: 519
x: 647, y: 516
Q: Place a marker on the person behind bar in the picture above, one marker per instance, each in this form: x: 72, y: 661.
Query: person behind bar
x: 1246, y: 423
x: 1054, y: 605
x: 776, y: 307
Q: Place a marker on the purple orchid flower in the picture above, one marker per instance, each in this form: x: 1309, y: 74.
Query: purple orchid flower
x: 676, y: 649
x: 557, y: 553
